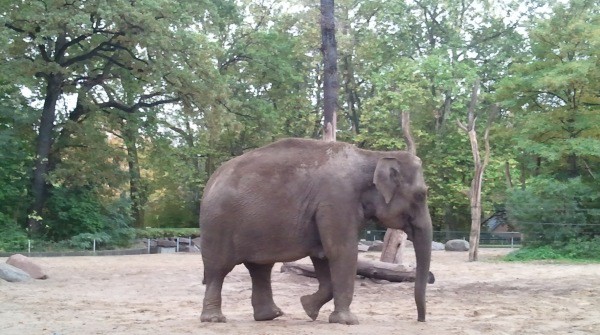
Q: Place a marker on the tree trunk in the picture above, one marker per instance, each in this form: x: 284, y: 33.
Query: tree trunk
x: 479, y: 168
x: 198, y: 176
x: 136, y: 188
x: 475, y: 200
x: 523, y: 176
x: 350, y: 92
x: 508, y: 175
x: 330, y: 70
x: 369, y: 269
x: 39, y: 184
x: 443, y: 113
x: 408, y: 139
x: 318, y: 127
x: 394, y: 242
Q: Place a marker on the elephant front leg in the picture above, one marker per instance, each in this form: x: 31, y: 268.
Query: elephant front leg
x: 313, y: 303
x: 339, y: 240
x: 262, y: 292
x: 343, y: 273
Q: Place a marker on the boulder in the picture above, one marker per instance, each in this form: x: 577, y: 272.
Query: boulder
x: 26, y: 264
x: 13, y: 274
x: 364, y: 245
x: 185, y: 240
x: 457, y: 245
x: 437, y: 246
x: 188, y: 248
x: 166, y: 243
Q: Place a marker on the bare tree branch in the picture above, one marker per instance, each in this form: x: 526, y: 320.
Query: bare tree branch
x: 408, y: 139
x: 462, y: 126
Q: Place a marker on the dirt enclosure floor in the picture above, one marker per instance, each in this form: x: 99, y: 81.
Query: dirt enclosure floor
x: 162, y: 294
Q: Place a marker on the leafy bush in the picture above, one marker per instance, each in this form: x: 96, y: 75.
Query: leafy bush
x: 117, y: 223
x: 73, y: 211
x: 79, y: 215
x: 538, y: 253
x: 171, y: 210
x: 577, y: 249
x: 583, y: 249
x: 553, y: 213
x: 13, y: 237
x: 86, y: 240
x: 121, y: 237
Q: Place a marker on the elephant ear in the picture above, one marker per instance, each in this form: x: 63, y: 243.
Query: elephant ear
x: 387, y: 177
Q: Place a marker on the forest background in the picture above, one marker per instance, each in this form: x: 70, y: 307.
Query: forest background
x: 113, y: 114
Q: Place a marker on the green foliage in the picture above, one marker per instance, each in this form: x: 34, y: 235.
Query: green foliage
x: 537, y: 253
x: 72, y: 212
x: 118, y: 222
x: 240, y: 74
x: 83, y: 212
x: 555, y: 129
x: 169, y: 211
x: 553, y: 213
x: 176, y: 184
x: 553, y: 91
x: 582, y: 248
x: 12, y: 236
x: 576, y: 249
x: 86, y: 240
x: 15, y: 155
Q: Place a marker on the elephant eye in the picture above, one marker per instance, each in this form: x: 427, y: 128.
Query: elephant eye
x: 421, y: 195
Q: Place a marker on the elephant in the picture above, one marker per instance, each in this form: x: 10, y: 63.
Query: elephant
x: 299, y: 198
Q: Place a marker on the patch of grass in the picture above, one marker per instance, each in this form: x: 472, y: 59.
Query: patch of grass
x: 531, y: 254
x: 576, y: 250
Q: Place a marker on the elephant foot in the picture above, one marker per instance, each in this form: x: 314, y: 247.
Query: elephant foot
x: 345, y: 318
x: 212, y: 317
x: 267, y: 314
x: 310, y: 306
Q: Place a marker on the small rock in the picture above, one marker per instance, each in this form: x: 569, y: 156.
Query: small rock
x: 13, y: 274
x: 376, y: 246
x: 26, y: 264
x: 437, y: 246
x: 363, y: 247
x: 457, y: 245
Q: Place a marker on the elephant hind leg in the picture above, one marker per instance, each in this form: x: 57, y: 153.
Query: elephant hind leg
x: 313, y: 303
x: 262, y: 293
x: 213, y: 278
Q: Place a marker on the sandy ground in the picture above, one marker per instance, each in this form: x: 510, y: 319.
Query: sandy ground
x: 161, y: 294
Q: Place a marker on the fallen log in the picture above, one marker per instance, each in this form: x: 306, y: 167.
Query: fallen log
x: 369, y: 269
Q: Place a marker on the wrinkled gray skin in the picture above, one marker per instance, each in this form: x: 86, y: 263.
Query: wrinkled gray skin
x: 297, y: 198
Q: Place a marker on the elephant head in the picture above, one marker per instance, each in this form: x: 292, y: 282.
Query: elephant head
x: 401, y: 202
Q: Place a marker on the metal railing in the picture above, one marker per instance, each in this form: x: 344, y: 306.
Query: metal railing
x: 504, y: 239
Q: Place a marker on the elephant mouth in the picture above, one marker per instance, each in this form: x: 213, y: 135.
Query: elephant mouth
x: 409, y: 230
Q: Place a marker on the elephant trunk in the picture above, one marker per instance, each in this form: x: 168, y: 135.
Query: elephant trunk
x: 422, y: 238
